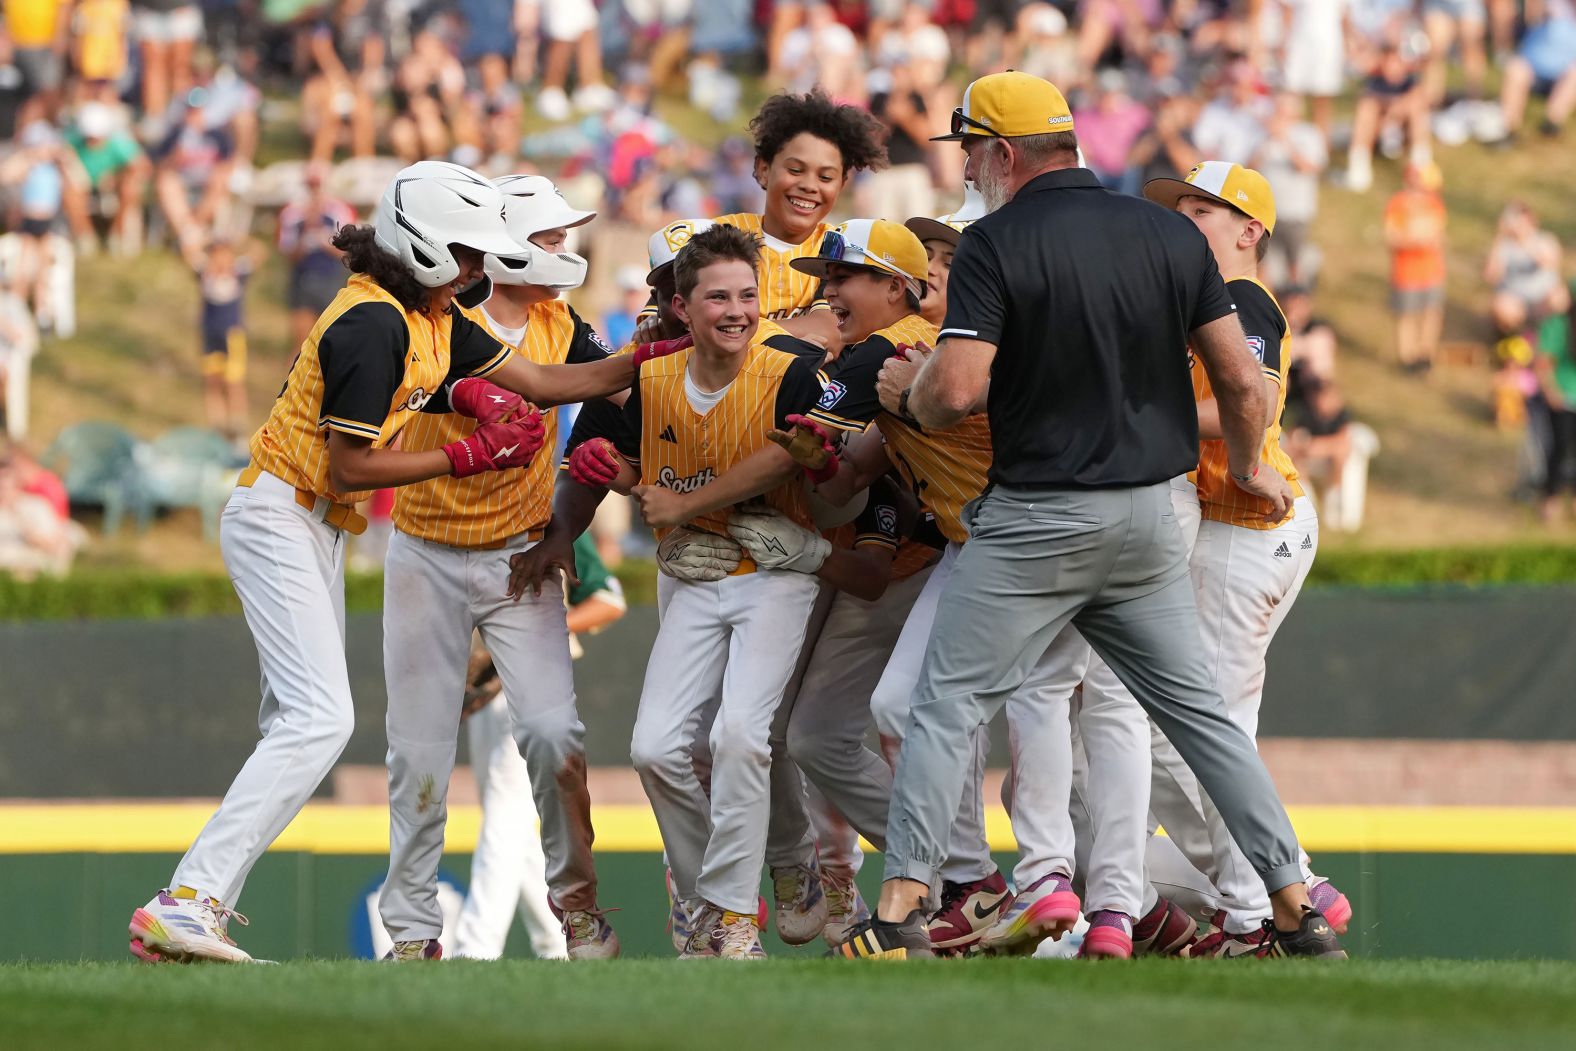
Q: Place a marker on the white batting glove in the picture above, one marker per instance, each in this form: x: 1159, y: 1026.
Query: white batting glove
x: 774, y: 541
x: 697, y: 556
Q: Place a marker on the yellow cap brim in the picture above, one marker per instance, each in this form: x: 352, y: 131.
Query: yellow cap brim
x: 1167, y: 192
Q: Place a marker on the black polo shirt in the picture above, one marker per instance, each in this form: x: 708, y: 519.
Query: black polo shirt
x: 1089, y: 297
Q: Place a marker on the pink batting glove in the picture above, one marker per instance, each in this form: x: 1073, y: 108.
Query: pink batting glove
x: 594, y: 463
x: 497, y: 446
x: 662, y: 348
x: 484, y: 401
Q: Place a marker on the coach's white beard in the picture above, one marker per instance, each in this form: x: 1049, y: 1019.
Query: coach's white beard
x: 991, y: 183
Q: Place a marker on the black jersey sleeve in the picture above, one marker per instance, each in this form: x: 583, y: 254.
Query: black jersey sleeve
x: 798, y: 390
x: 626, y: 435
x: 586, y: 345
x: 362, y: 357
x: 877, y: 524
x: 472, y: 349
x: 1262, y: 323
x: 848, y: 400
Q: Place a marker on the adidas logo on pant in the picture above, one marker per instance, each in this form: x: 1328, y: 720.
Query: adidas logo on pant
x: 1307, y: 542
x: 1283, y: 551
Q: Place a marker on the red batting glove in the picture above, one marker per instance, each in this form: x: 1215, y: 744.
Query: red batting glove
x: 827, y: 471
x: 662, y: 348
x: 484, y: 401
x: 497, y: 446
x: 595, y: 463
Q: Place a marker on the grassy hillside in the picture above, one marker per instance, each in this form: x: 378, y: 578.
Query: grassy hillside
x: 1443, y: 477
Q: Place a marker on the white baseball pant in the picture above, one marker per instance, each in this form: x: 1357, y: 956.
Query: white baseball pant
x: 434, y: 596
x: 508, y: 869
x: 288, y: 568
x: 738, y: 638
x: 968, y: 850
x: 1245, y: 581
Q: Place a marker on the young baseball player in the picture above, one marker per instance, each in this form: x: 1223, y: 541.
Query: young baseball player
x: 508, y: 869
x: 445, y: 577
x: 1248, y: 564
x: 807, y: 149
x: 390, y: 342
x: 699, y: 412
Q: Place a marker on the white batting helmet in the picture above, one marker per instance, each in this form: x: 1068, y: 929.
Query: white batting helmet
x: 433, y: 204
x: 533, y: 204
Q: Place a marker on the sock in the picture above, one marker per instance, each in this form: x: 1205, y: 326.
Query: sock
x: 1111, y: 918
x: 184, y: 892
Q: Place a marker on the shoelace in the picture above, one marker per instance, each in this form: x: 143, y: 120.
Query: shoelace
x: 740, y: 934
x: 794, y: 886
x: 219, y: 916
x: 840, y: 893
x: 586, y: 920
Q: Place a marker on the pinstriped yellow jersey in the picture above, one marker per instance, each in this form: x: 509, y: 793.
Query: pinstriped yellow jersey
x: 677, y: 446
x: 493, y: 506
x: 947, y: 468
x: 784, y: 291
x: 367, y: 368
x: 848, y: 399
x: 1269, y: 337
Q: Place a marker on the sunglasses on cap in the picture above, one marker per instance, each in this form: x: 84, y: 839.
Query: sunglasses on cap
x: 962, y: 124
x: 835, y: 248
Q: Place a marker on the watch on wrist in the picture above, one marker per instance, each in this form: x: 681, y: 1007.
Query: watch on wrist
x: 1246, y: 477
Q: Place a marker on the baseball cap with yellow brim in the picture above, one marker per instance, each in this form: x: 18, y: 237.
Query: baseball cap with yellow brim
x: 949, y: 228
x: 1231, y: 184
x: 663, y: 246
x: 874, y: 244
x: 1008, y: 106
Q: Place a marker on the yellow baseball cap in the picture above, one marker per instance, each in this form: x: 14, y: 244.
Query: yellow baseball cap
x: 949, y: 228
x: 663, y: 246
x: 1009, y: 105
x: 1231, y: 184
x: 877, y: 244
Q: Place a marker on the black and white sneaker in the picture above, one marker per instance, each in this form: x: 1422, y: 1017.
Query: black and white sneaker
x: 878, y: 940
x: 1313, y: 937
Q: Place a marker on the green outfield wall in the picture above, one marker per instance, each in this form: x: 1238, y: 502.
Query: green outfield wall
x: 303, y: 904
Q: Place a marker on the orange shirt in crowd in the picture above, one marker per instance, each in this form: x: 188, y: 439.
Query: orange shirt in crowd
x: 1414, y: 224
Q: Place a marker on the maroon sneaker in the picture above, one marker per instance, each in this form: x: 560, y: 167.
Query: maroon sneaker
x: 1164, y: 931
x: 967, y: 911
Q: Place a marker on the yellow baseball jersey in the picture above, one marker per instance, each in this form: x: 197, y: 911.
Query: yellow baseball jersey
x: 487, y: 509
x: 946, y: 468
x: 848, y: 399
x: 1269, y: 337
x: 367, y: 368
x: 784, y: 291
x: 681, y: 446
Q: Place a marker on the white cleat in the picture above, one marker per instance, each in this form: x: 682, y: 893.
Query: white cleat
x: 801, y: 911
x: 184, y: 930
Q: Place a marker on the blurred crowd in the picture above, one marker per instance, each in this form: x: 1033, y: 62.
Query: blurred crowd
x: 127, y: 125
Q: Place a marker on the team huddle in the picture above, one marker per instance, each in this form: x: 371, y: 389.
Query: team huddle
x: 808, y: 526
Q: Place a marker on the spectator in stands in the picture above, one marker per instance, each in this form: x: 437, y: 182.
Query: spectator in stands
x: 824, y: 52
x: 33, y: 538
x: 1166, y: 150
x: 222, y: 275
x: 39, y: 32
x: 1545, y: 63
x: 1314, y: 341
x: 905, y: 187
x: 1292, y: 157
x: 1414, y: 227
x: 733, y: 179
x: 167, y: 31
x: 496, y: 99
x: 44, y: 172
x: 570, y: 27
x: 1320, y: 442
x: 18, y: 344
x: 1313, y: 59
x: 338, y: 101
x: 38, y: 480
x: 1106, y: 23
x: 1049, y: 51
x: 1108, y: 129
x: 1556, y: 371
x: 100, y: 46
x: 1231, y: 125
x: 1525, y: 270
x: 1392, y: 112
x: 117, y: 175
x: 306, y: 233
x: 431, y: 116
x: 1455, y: 23
x: 230, y: 105
x: 192, y: 176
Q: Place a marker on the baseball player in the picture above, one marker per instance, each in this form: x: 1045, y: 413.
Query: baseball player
x: 390, y: 341
x: 701, y: 411
x: 508, y: 869
x: 1248, y: 563
x: 445, y: 576
x: 807, y: 149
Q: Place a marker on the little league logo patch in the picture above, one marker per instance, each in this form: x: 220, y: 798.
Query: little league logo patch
x: 1256, y: 344
x: 886, y: 518
x: 678, y: 235
x: 831, y: 395
x: 596, y: 337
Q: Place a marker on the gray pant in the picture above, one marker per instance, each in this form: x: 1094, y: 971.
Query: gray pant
x: 1112, y: 563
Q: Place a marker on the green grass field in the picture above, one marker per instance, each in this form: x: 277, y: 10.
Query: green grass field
x: 1397, y: 1006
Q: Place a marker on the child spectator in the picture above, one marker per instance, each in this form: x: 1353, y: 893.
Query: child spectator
x: 117, y: 175
x: 1391, y: 109
x: 222, y: 275
x: 1556, y: 371
x: 306, y: 233
x: 44, y: 173
x: 1524, y: 269
x: 1414, y: 225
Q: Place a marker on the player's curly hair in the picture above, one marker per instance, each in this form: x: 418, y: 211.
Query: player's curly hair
x: 363, y: 255
x: 718, y: 244
x: 858, y: 136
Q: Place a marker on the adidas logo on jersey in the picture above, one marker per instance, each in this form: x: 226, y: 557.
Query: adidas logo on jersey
x: 1307, y: 543
x: 1283, y: 551
x: 667, y: 435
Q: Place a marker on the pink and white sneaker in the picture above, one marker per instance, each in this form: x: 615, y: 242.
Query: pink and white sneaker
x: 1046, y: 908
x: 184, y: 930
x: 1109, y: 937
x: 966, y: 913
x: 1328, y: 899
